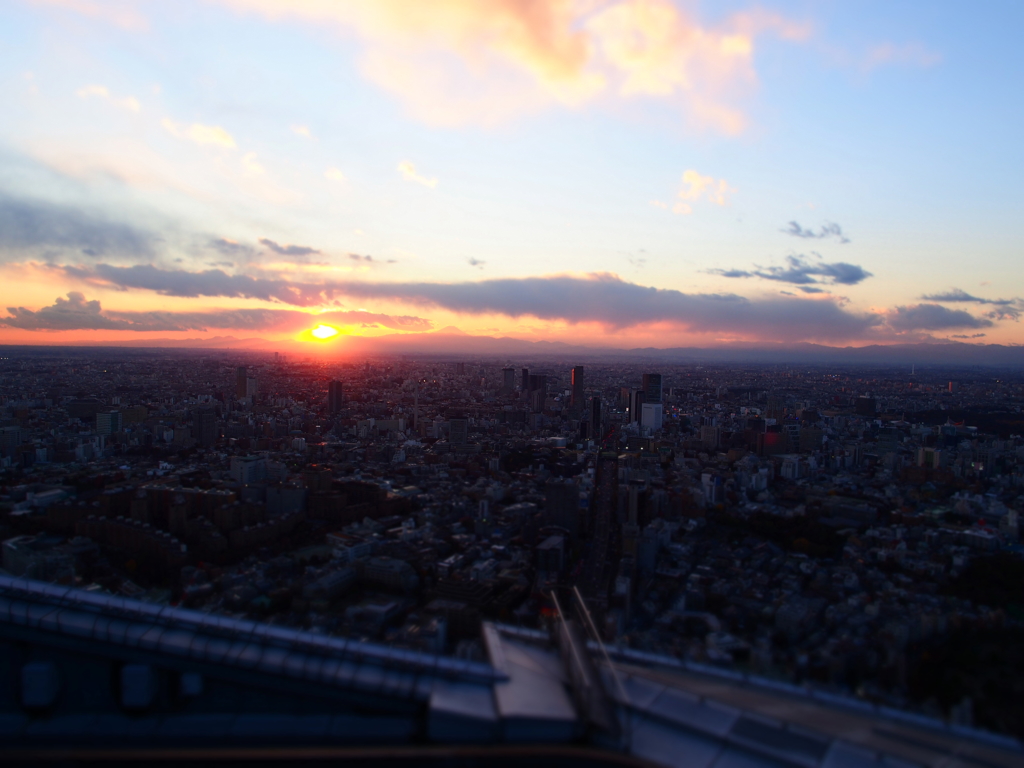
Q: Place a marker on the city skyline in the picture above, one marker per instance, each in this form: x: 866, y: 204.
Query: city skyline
x: 617, y: 174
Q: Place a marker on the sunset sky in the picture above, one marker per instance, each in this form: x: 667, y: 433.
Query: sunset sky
x: 616, y: 173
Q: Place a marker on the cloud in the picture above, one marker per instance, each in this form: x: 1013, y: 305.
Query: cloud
x: 957, y: 295
x: 1006, y: 309
x: 232, y: 247
x: 41, y: 227
x: 475, y: 262
x: 968, y: 336
x: 75, y: 313
x: 129, y: 103
x: 357, y: 257
x: 288, y: 250
x: 828, y: 229
x: 408, y: 171
x: 211, y: 282
x: 334, y: 174
x: 485, y: 61
x: 302, y: 130
x: 802, y: 271
x: 72, y: 313
x: 696, y: 187
x: 933, y: 317
x: 251, y: 166
x: 200, y: 134
x: 599, y: 298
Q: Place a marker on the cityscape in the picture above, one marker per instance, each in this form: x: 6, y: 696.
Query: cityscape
x: 852, y: 530
x: 479, y: 383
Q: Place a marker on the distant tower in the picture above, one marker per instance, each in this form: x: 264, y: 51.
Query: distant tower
x: 508, y: 383
x: 652, y: 387
x: 241, y: 378
x: 577, y: 386
x: 524, y: 384
x: 335, y: 396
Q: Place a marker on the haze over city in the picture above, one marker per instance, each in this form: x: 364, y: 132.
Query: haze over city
x: 625, y: 174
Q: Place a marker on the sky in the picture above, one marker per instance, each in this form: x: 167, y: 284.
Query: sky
x: 615, y: 173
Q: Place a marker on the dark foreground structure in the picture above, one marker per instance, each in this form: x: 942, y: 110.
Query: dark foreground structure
x: 87, y: 677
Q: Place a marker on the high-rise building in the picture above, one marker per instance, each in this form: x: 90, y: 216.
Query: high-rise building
x: 335, y: 396
x: 508, y: 383
x: 458, y: 431
x: 205, y: 424
x: 524, y: 383
x: 108, y: 422
x: 577, y: 386
x: 595, y: 417
x: 637, y: 398
x: 651, y: 416
x: 241, y: 379
x: 652, y: 387
x: 252, y: 387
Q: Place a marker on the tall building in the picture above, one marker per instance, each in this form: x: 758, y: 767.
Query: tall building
x: 241, y: 381
x: 335, y: 396
x: 595, y: 418
x: 637, y: 398
x: 108, y: 422
x: 577, y: 386
x: 205, y: 423
x: 524, y: 383
x: 508, y: 383
x: 458, y: 431
x: 652, y: 387
x: 651, y: 416
x: 252, y: 387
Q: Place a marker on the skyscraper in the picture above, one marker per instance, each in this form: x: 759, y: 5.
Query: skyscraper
x: 335, y: 396
x: 595, y: 418
x: 241, y: 378
x: 508, y: 383
x: 577, y: 386
x: 524, y: 384
x: 205, y: 427
x: 652, y: 387
x: 637, y: 398
x: 458, y: 431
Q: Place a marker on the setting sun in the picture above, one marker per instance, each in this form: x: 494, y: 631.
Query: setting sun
x: 324, y: 332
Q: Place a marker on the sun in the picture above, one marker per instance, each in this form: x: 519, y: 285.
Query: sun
x: 324, y: 332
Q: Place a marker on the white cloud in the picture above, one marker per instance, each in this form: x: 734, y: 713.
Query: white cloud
x: 102, y: 92
x: 696, y: 187
x: 251, y: 166
x: 200, y: 134
x: 408, y: 171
